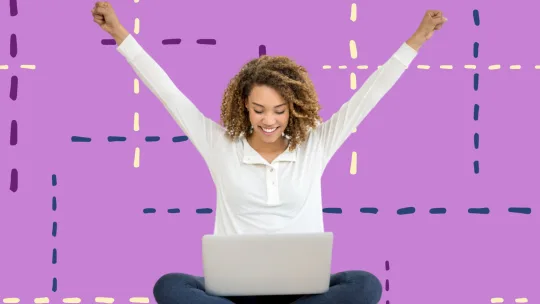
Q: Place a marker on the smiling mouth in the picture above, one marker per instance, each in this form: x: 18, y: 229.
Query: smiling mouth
x: 269, y: 131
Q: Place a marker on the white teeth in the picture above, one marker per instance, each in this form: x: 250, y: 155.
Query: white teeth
x: 269, y: 130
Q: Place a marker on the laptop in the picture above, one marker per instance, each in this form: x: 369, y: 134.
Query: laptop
x: 267, y: 264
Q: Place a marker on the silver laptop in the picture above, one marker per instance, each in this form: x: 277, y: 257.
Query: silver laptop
x: 268, y: 264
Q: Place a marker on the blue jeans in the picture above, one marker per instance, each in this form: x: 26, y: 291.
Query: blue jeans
x: 347, y: 287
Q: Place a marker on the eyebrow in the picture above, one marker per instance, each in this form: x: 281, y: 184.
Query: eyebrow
x: 274, y: 107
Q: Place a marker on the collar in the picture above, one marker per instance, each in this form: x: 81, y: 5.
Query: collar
x: 252, y: 157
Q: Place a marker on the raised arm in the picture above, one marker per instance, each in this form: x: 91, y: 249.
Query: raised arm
x: 331, y: 134
x: 202, y: 132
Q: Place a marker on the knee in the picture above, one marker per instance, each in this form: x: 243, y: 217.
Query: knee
x: 366, y: 285
x: 170, y: 285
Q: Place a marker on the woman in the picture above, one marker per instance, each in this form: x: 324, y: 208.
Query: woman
x: 268, y: 158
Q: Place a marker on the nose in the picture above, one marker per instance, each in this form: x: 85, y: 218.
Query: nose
x: 269, y: 120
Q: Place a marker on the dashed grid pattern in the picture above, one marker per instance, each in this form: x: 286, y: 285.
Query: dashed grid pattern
x: 404, y: 212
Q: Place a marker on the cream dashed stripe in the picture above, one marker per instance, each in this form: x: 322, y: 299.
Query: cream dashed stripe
x: 137, y: 26
x: 353, y: 12
x: 354, y: 159
x: 139, y: 300
x: 104, y: 300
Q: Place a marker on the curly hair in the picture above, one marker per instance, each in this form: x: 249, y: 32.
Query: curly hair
x: 286, y: 77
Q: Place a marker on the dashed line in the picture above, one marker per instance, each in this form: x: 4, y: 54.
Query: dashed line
x: 476, y: 83
x: 425, y: 67
x: 437, y: 210
x: 137, y: 26
x: 28, y: 66
x: 354, y: 160
x: 54, y: 256
x: 44, y: 300
x: 13, y: 8
x: 178, y: 139
x: 13, y: 133
x: 103, y: 299
x: 497, y: 300
x: 204, y: 211
x: 476, y: 17
x: 519, y: 210
x: 139, y: 300
x: 478, y: 210
x: 11, y: 300
x: 83, y: 139
x: 522, y: 300
x: 352, y: 49
x: 353, y: 81
x: 149, y: 210
x: 207, y: 41
x: 333, y: 210
x: 136, y: 86
x: 23, y: 66
x: 108, y: 42
x: 406, y: 210
x: 116, y: 138
x: 354, y: 12
x: 54, y: 182
x: 14, y: 180
x: 14, y: 88
x: 262, y: 50
x: 387, y: 281
x: 369, y: 210
x: 136, y: 122
x: 137, y: 158
x: 80, y: 139
x: 171, y: 41
x: 71, y: 300
x: 13, y: 45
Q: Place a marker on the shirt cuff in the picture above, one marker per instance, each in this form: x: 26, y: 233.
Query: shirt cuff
x: 405, y: 54
x: 129, y: 48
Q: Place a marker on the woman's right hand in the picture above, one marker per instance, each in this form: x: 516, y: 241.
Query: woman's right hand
x: 106, y: 18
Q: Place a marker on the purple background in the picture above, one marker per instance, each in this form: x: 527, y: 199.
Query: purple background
x: 414, y: 149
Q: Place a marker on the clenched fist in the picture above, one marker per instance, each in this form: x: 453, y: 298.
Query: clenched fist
x: 106, y: 18
x: 433, y: 20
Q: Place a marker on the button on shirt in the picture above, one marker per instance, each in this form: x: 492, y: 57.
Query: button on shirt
x: 254, y: 196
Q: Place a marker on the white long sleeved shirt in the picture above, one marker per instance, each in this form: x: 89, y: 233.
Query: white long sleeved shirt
x: 254, y: 196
